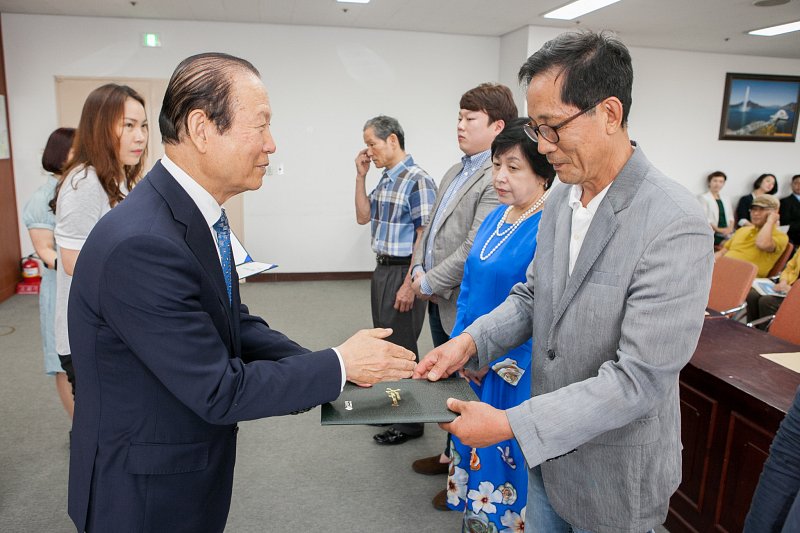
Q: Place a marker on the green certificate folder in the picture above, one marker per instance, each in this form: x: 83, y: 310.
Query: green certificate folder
x: 396, y: 402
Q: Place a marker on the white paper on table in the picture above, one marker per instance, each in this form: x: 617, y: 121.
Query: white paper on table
x: 789, y: 360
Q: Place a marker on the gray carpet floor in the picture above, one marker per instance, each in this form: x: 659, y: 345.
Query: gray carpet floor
x: 291, y: 475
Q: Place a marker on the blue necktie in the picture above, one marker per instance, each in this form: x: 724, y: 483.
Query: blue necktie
x: 224, y: 244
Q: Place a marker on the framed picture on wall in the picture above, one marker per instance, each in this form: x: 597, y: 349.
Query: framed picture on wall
x: 759, y: 107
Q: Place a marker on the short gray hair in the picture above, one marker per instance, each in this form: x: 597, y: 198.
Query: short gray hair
x: 384, y: 126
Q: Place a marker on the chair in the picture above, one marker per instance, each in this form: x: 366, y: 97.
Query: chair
x: 785, y: 323
x: 730, y: 283
x: 781, y: 262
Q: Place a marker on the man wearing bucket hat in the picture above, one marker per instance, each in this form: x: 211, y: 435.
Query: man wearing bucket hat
x: 762, y: 243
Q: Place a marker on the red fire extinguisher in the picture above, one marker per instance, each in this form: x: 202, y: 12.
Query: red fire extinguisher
x: 31, y: 279
x: 30, y: 268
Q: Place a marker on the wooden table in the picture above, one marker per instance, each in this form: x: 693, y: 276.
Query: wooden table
x: 732, y: 401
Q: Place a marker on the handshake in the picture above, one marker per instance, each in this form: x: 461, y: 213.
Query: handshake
x: 368, y: 358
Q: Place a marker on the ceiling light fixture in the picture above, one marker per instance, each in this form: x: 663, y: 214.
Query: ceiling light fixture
x: 353, y: 1
x: 769, y: 3
x: 777, y: 30
x: 578, y: 8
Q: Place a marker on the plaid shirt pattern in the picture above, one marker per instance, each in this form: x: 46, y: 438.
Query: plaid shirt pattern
x: 401, y: 202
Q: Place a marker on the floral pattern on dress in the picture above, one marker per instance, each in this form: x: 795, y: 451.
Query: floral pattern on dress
x: 457, y: 485
x: 478, y: 523
x: 509, y: 493
x: 501, y: 483
x: 515, y: 523
x: 485, y: 497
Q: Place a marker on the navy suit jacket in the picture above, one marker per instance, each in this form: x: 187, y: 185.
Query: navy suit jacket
x: 166, y: 367
x: 790, y: 216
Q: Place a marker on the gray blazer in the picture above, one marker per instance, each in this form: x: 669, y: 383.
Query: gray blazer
x: 453, y: 240
x: 609, y: 342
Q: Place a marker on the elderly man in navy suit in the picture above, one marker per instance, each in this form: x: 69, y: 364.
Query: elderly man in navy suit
x: 168, y: 358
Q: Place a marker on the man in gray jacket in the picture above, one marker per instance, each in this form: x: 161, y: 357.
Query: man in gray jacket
x: 614, y: 301
x: 466, y: 195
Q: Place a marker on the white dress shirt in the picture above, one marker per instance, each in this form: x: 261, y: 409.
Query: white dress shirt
x: 211, y: 212
x: 581, y: 220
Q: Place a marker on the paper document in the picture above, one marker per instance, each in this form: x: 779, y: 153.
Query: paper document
x: 789, y: 360
x: 245, y: 266
x: 765, y: 287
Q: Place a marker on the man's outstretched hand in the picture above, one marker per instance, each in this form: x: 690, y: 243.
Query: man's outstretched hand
x: 369, y: 359
x: 443, y: 361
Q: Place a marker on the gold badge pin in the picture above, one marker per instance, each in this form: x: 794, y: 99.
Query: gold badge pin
x: 394, y: 394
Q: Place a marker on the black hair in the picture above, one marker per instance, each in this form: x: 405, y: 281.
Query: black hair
x: 716, y: 174
x: 513, y: 135
x: 760, y: 180
x: 595, y: 66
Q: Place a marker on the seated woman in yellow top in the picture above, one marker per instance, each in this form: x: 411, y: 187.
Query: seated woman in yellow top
x: 762, y: 243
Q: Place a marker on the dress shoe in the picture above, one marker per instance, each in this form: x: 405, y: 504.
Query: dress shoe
x: 430, y: 466
x: 440, y: 501
x: 392, y: 436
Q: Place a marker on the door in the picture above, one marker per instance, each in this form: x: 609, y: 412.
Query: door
x: 71, y: 92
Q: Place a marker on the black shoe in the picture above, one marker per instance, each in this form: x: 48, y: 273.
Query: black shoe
x: 392, y: 436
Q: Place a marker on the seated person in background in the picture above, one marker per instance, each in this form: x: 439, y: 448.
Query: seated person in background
x: 790, y: 211
x: 759, y: 306
x: 718, y: 208
x: 764, y: 184
x: 761, y: 243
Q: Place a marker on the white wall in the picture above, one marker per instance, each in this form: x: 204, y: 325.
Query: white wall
x: 513, y: 46
x: 324, y: 83
x: 677, y: 104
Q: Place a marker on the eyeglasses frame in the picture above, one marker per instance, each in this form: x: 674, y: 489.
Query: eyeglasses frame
x: 533, y: 132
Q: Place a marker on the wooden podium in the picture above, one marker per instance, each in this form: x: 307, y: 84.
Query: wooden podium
x: 732, y: 401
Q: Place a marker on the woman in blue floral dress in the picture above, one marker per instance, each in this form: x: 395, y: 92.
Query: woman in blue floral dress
x: 490, y: 484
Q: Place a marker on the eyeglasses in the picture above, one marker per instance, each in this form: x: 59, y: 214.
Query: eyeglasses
x: 550, y: 133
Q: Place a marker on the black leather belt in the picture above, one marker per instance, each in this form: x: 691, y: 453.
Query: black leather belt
x: 393, y: 260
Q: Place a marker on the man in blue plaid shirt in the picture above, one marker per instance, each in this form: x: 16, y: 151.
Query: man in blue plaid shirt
x: 398, y: 209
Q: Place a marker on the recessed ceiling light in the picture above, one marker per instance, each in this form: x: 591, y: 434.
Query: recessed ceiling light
x: 353, y: 1
x: 769, y: 3
x: 578, y: 8
x: 777, y: 30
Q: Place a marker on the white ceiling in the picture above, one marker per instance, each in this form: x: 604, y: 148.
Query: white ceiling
x: 702, y: 25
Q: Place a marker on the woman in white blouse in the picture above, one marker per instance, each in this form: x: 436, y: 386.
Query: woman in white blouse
x: 106, y: 161
x: 719, y: 212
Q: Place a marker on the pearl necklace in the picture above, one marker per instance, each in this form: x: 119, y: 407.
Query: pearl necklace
x: 507, y: 233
